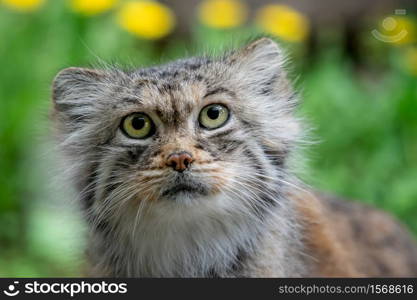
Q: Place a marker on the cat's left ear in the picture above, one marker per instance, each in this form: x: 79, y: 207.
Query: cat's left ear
x: 259, y: 64
x: 75, y: 89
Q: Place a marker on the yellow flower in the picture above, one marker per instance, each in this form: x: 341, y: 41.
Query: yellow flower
x: 147, y: 19
x: 24, y: 5
x: 283, y: 21
x: 410, y: 60
x: 398, y: 30
x: 223, y: 13
x: 92, y: 7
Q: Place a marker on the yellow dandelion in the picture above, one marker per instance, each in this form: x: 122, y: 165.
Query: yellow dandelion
x: 92, y: 7
x: 24, y: 5
x: 398, y: 30
x: 146, y: 19
x: 283, y: 22
x: 222, y: 13
x: 410, y: 60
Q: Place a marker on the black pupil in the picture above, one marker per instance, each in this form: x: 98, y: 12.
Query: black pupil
x: 138, y: 123
x: 214, y: 112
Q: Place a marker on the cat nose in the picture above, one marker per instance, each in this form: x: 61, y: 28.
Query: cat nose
x: 179, y: 161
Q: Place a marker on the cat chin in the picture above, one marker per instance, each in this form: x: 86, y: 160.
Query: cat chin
x: 187, y: 198
x: 184, y: 188
x: 188, y: 207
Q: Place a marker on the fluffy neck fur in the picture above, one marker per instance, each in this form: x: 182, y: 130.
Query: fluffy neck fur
x: 198, y: 241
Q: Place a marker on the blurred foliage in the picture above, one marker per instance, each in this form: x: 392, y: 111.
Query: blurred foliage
x: 223, y: 13
x: 364, y: 118
x: 147, y: 19
x: 283, y: 21
x: 90, y: 8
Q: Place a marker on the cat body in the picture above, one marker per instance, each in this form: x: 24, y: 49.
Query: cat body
x: 183, y: 171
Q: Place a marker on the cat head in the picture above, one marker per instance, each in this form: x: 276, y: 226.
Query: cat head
x: 209, y: 131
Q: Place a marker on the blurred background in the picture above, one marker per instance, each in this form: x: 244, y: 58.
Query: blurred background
x: 354, y: 63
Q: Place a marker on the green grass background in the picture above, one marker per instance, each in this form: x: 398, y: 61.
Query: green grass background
x: 365, y: 123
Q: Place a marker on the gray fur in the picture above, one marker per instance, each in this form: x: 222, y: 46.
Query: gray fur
x: 244, y: 226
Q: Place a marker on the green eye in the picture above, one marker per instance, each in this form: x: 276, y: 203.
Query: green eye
x: 213, y: 116
x: 138, y: 126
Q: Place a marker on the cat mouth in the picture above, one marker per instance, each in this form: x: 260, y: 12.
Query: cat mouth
x: 182, y: 188
x: 185, y: 186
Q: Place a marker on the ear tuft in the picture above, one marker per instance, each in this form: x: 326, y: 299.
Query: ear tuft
x: 262, y: 48
x: 73, y: 86
x: 259, y: 65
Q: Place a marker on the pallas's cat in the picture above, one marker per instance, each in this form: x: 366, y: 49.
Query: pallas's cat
x: 184, y: 170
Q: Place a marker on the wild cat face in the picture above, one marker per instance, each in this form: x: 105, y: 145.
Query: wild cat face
x: 182, y: 133
x: 175, y: 136
x: 174, y: 140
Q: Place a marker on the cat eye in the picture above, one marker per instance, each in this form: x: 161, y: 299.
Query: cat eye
x: 213, y: 116
x: 138, y: 126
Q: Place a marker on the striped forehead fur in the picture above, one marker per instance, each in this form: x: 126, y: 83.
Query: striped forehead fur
x: 240, y: 170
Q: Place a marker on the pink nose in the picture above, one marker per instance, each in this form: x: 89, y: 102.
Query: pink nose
x: 179, y: 161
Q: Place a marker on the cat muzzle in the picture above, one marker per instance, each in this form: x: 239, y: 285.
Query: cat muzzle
x: 179, y: 161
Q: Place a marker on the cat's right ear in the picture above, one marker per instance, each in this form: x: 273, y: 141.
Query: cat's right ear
x: 259, y: 65
x: 75, y: 88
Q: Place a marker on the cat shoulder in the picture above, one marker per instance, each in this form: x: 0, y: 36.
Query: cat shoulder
x: 347, y: 238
